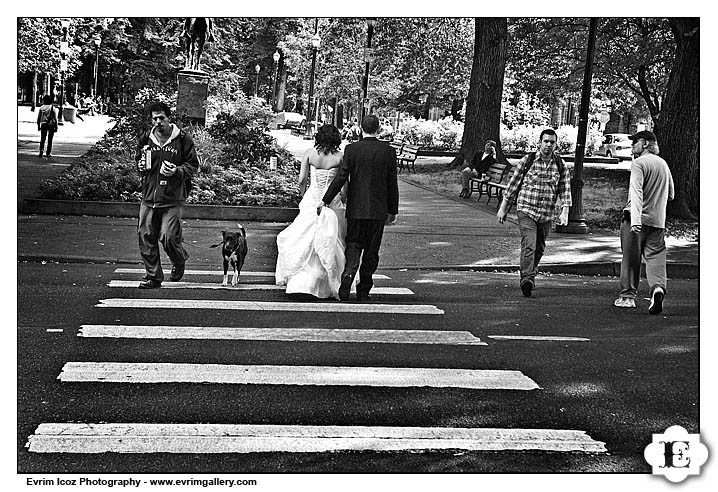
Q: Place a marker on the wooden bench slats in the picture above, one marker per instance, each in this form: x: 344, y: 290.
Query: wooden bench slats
x: 408, y: 157
x: 497, y: 183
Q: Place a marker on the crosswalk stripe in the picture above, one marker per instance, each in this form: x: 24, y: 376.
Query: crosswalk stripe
x: 281, y: 334
x: 237, y: 438
x: 241, y: 286
x: 141, y: 271
x: 539, y: 338
x: 334, y: 307
x: 401, y: 377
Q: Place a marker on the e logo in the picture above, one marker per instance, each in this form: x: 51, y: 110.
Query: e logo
x: 676, y: 454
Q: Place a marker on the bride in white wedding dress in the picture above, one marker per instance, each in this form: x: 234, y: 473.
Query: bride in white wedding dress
x: 311, y: 249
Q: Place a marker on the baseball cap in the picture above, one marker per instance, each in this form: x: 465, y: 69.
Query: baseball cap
x: 645, y: 134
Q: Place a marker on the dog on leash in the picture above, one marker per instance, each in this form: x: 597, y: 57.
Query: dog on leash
x: 234, y: 250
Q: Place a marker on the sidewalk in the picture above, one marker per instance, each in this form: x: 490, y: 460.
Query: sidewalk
x: 433, y: 231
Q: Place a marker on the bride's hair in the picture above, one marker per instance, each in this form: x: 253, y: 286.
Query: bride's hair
x: 328, y: 139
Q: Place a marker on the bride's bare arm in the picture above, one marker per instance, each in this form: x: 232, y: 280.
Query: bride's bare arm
x: 304, y: 172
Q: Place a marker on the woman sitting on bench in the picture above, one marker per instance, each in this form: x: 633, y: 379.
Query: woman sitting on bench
x: 480, y: 164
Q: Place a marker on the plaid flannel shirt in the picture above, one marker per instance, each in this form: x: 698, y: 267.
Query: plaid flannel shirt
x: 541, y: 188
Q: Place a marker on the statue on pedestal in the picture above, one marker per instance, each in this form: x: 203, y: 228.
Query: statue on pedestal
x: 196, y: 32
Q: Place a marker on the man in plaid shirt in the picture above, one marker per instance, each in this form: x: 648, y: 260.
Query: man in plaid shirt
x: 536, y: 191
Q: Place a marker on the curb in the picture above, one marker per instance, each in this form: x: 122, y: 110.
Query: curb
x: 39, y: 206
x: 601, y: 269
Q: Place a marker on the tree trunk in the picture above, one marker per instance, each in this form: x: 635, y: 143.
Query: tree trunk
x: 34, y: 89
x: 486, y: 86
x: 456, y: 106
x: 677, y: 128
x: 282, y: 86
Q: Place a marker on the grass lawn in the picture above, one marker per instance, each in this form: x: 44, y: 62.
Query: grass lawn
x: 605, y: 192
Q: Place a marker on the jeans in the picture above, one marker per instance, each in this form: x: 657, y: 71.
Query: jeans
x: 533, y: 244
x: 46, y: 134
x: 649, y: 244
x: 363, y: 235
x: 160, y: 225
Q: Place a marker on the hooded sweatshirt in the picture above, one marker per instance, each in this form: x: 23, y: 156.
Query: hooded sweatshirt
x: 167, y: 191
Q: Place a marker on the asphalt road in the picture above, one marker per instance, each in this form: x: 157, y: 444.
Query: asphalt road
x: 622, y: 375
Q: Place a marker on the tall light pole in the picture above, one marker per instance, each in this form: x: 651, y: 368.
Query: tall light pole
x: 275, y: 57
x: 97, y: 40
x: 368, y: 57
x: 316, y: 42
x: 257, y: 68
x: 576, y: 218
x: 64, y: 49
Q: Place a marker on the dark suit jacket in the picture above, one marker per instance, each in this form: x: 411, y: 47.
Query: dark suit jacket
x: 370, y: 167
x: 482, y: 165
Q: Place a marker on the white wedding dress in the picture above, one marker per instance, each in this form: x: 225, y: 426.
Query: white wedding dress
x: 310, y: 256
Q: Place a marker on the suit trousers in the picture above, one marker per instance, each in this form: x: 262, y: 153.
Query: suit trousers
x: 160, y: 225
x: 650, y: 244
x: 533, y: 244
x: 363, y: 235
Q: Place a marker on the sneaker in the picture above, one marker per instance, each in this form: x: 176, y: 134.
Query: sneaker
x: 624, y: 302
x: 526, y: 288
x: 150, y: 284
x: 177, y: 273
x: 656, y: 301
x: 345, y: 288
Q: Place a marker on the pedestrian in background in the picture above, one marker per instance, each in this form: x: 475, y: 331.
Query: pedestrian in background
x: 47, y: 124
x: 478, y: 166
x: 372, y: 201
x: 166, y: 159
x: 539, y: 181
x: 644, y: 222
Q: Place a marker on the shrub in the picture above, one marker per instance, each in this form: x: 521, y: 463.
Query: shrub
x: 233, y: 162
x: 444, y: 134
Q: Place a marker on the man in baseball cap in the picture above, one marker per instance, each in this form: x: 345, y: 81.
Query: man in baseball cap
x: 644, y: 222
x: 645, y: 134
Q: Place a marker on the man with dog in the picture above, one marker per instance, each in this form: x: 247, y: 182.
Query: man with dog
x: 372, y: 201
x: 166, y: 159
x: 540, y: 179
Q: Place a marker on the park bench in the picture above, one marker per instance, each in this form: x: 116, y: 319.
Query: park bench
x: 407, y: 157
x: 397, y: 145
x: 495, y: 185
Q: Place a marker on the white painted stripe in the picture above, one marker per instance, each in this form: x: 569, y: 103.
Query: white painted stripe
x: 141, y: 271
x: 54, y: 330
x: 241, y: 286
x: 230, y: 438
x: 539, y: 338
x: 281, y: 334
x: 402, y: 377
x: 327, y: 307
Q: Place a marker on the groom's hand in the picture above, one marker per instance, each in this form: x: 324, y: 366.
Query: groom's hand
x: 391, y: 219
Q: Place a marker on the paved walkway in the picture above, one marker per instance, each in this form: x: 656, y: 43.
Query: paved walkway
x: 432, y: 231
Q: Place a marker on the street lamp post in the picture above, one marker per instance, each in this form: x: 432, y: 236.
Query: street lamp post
x: 257, y: 68
x: 576, y: 218
x: 97, y: 40
x: 64, y: 48
x: 368, y: 56
x: 316, y: 42
x: 275, y: 57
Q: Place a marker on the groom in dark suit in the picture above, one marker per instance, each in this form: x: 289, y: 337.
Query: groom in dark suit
x: 372, y: 201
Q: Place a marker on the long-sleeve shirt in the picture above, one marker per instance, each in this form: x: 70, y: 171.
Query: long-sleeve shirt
x: 650, y: 188
x: 541, y: 187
